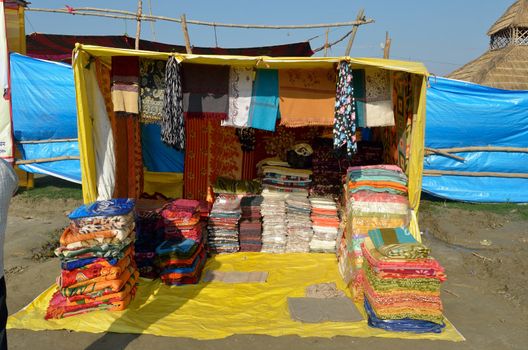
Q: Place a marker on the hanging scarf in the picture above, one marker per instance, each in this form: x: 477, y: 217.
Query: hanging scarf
x: 240, y: 89
x: 345, y: 114
x: 125, y: 84
x: 172, y: 123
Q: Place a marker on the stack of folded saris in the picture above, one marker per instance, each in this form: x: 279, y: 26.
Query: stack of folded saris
x: 376, y: 198
x: 284, y: 179
x: 150, y: 231
x: 97, y: 260
x: 182, y: 219
x: 273, y: 211
x: 223, y: 224
x: 298, y: 223
x: 325, y: 224
x: 181, y: 261
x: 401, y: 283
x: 250, y: 228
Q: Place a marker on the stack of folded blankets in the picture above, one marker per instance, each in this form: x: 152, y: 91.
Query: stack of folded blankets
x: 150, y: 232
x: 285, y: 179
x: 273, y: 211
x: 376, y: 198
x: 402, y: 283
x: 223, y: 224
x: 97, y: 260
x: 182, y: 219
x: 181, y: 261
x: 250, y: 229
x: 325, y: 225
x: 298, y: 223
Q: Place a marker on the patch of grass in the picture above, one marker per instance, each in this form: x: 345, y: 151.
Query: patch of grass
x: 51, y: 188
x: 429, y: 204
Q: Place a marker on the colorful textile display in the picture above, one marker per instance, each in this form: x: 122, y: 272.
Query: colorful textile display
x: 152, y: 89
x: 374, y: 98
x: 307, y: 96
x: 223, y: 224
x: 181, y: 261
x: 325, y: 225
x: 401, y: 288
x: 181, y: 218
x: 298, y: 224
x: 398, y: 243
x: 250, y: 228
x: 240, y: 91
x: 344, y: 112
x: 375, y: 199
x: 172, y: 121
x: 125, y: 84
x: 264, y: 107
x: 273, y: 211
x: 205, y: 91
x: 97, y: 258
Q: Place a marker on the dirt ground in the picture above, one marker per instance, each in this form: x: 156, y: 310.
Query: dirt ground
x: 485, y: 255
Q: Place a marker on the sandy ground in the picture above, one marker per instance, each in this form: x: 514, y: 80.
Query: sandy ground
x: 485, y: 255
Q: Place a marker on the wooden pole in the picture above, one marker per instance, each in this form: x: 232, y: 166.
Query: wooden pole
x: 475, y: 174
x: 186, y: 34
x: 485, y: 149
x: 46, y: 141
x: 326, y: 46
x: 386, y: 48
x: 138, y: 26
x: 354, y: 30
x: 445, y: 154
x: 44, y: 160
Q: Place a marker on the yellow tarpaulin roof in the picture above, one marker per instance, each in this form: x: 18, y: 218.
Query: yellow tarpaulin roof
x: 83, y: 54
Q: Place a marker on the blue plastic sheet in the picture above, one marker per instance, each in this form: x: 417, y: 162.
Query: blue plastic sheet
x: 461, y: 114
x: 43, y: 102
x: 157, y: 156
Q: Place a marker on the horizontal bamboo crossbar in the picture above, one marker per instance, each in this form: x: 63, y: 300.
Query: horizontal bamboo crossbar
x: 45, y: 160
x: 475, y: 174
x: 444, y: 153
x: 484, y: 149
x: 46, y: 141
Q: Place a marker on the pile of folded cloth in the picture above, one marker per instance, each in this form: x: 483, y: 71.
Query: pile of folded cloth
x: 298, y: 223
x: 182, y: 219
x: 150, y: 231
x: 325, y: 225
x: 250, y: 228
x: 223, y: 224
x: 376, y: 198
x: 97, y: 260
x: 224, y: 185
x: 181, y: 261
x: 273, y: 211
x: 285, y: 179
x: 401, y: 283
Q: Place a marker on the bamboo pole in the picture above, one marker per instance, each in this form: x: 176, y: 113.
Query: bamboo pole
x: 326, y: 45
x: 445, y: 154
x: 46, y: 141
x: 332, y: 43
x: 186, y: 34
x: 475, y: 174
x: 386, y: 48
x: 44, y: 160
x: 359, y: 19
x: 484, y: 149
x: 130, y: 15
x: 138, y: 26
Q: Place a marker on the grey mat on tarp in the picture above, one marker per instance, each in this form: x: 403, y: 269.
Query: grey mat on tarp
x: 317, y: 310
x: 235, y: 276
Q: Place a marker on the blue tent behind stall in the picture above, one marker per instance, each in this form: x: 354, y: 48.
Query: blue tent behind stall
x: 44, y: 110
x: 461, y: 115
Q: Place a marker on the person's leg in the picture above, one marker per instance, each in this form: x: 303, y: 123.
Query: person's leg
x: 3, y: 315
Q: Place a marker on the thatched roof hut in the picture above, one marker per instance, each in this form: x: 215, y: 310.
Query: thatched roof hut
x: 505, y: 64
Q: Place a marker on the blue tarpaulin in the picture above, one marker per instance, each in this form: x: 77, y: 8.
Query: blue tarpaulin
x: 461, y: 114
x: 43, y: 103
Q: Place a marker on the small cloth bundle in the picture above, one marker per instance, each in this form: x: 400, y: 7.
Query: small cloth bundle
x: 181, y: 262
x: 398, y: 243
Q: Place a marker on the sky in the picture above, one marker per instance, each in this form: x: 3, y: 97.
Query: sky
x: 444, y: 35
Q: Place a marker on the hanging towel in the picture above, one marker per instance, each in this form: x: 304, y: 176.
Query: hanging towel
x: 240, y: 88
x: 152, y: 89
x: 172, y: 122
x: 205, y: 90
x: 264, y: 107
x: 125, y: 84
x: 345, y: 114
x: 379, y: 108
x: 307, y: 96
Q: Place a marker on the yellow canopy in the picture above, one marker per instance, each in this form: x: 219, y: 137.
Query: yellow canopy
x: 83, y: 53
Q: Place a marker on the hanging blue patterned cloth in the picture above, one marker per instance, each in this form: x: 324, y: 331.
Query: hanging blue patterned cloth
x: 111, y: 207
x: 345, y: 113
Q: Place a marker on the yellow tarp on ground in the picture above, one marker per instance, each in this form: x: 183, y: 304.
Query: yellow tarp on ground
x: 218, y: 310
